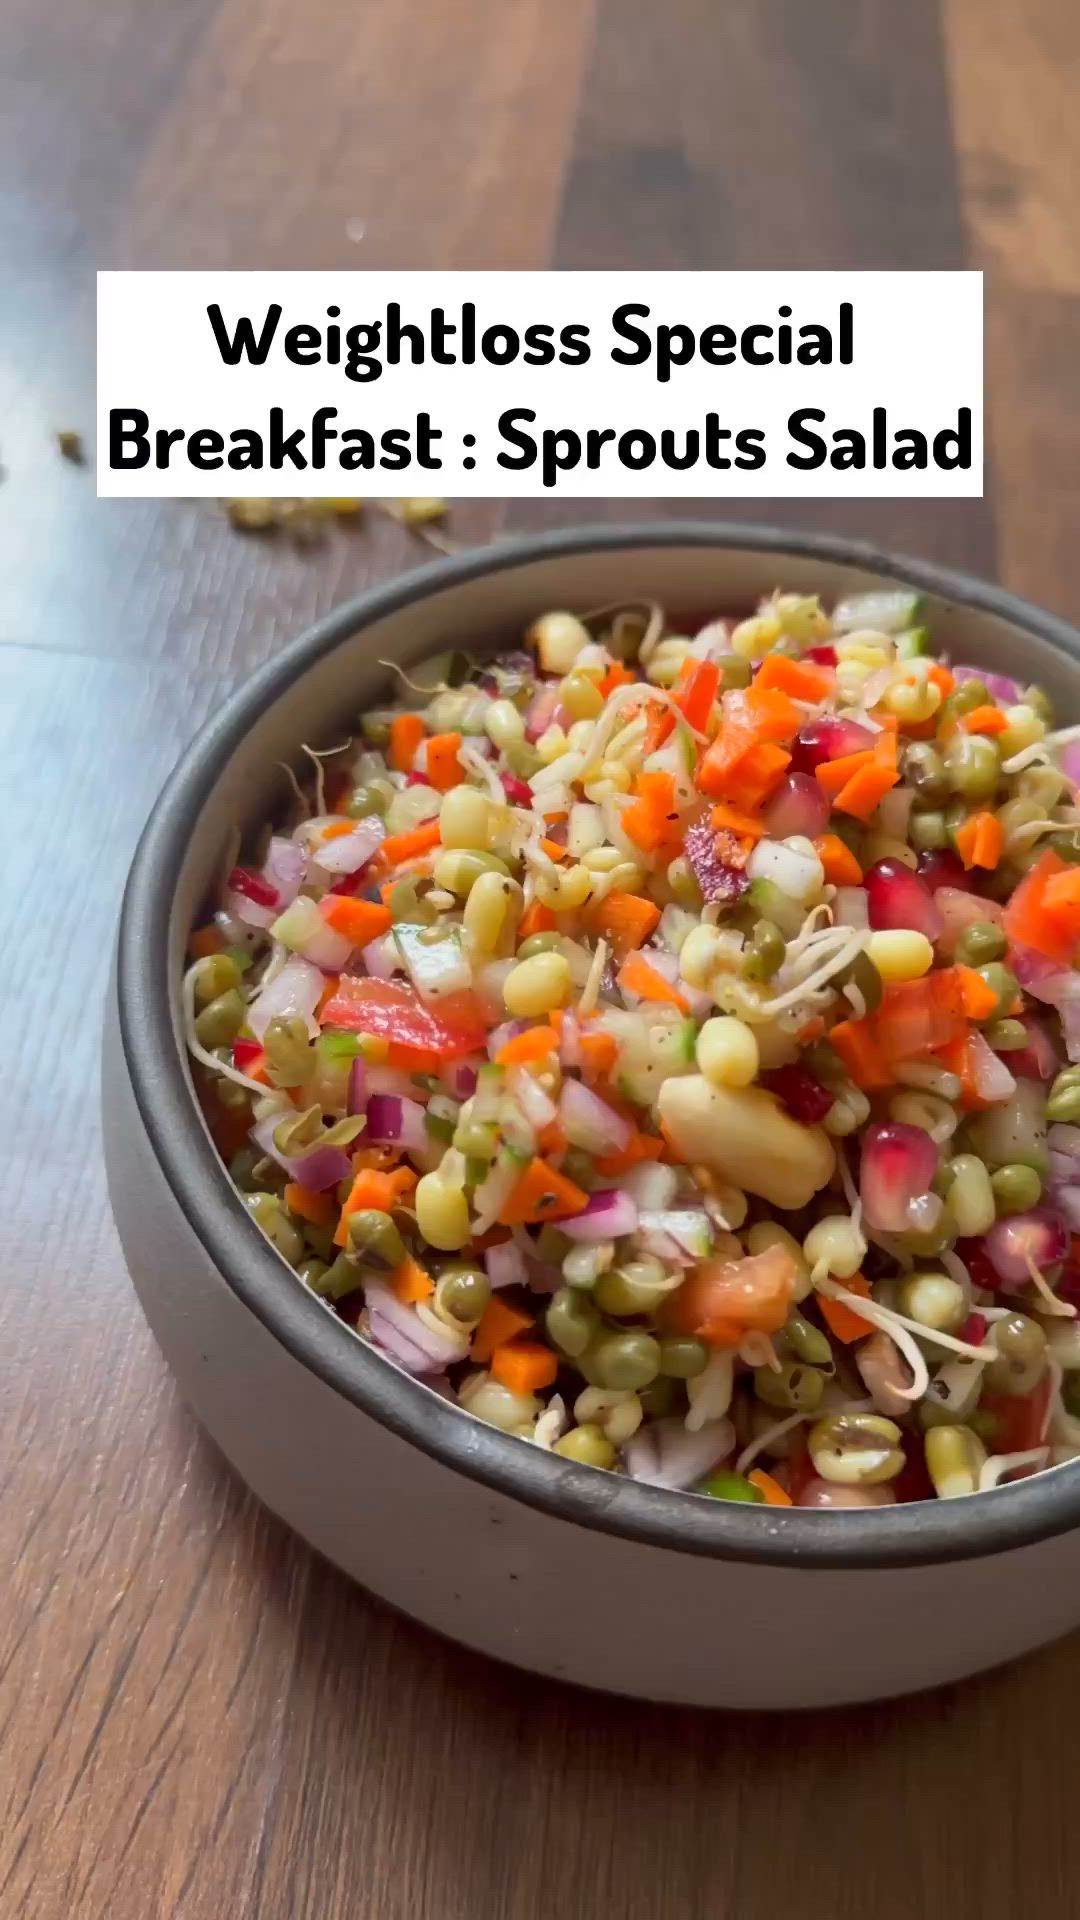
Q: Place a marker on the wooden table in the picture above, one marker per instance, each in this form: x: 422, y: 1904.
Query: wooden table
x: 198, y: 1717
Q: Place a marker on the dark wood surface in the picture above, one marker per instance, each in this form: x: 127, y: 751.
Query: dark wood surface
x: 197, y: 1718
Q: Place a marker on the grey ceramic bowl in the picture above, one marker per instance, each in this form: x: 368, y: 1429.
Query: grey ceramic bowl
x: 559, y: 1568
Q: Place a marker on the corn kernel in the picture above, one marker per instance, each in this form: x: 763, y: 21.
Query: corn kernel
x: 727, y: 1052
x: 900, y: 954
x: 503, y: 724
x: 868, y: 648
x: 666, y: 660
x: 442, y: 1213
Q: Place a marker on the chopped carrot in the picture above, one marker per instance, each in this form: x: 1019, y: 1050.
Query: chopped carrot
x: 536, y: 1043
x: 399, y: 847
x: 774, y: 714
x: 338, y: 829
x: 651, y: 819
x: 360, y: 921
x: 800, y: 679
x: 535, y: 919
x: 720, y: 762
x: 956, y: 1057
x: 542, y: 1193
x: 204, y: 941
x: 844, y: 1323
x: 941, y: 678
x: 868, y: 786
x: 624, y: 920
x: 406, y: 733
x: 640, y: 1147
x: 374, y: 1192
x: 551, y: 1139
x: 554, y: 849
x: 696, y: 698
x: 524, y: 1366
x: 1063, y: 891
x: 745, y: 826
x: 758, y: 775
x: 660, y: 725
x: 444, y: 769
x: 599, y: 1052
x: 319, y: 1208
x: 855, y: 1042
x: 977, y: 999
x: 410, y: 1282
x: 637, y: 976
x: 498, y: 1323
x: 834, y: 775
x: 840, y: 865
x: 980, y: 840
x: 616, y: 676
x: 984, y: 720
x: 770, y: 1489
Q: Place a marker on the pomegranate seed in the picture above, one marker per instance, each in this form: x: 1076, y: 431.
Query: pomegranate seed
x: 828, y: 739
x: 253, y: 887
x: 942, y: 868
x: 898, y: 1165
x: 245, y: 1053
x: 417, y: 780
x: 799, y: 805
x: 821, y: 656
x: 804, y: 1097
x: 975, y: 1258
x: 1039, y: 1237
x: 518, y: 794
x: 896, y: 897
x: 913, y: 1482
x: 974, y: 1329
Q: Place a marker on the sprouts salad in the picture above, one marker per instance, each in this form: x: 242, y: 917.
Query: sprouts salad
x: 663, y: 1040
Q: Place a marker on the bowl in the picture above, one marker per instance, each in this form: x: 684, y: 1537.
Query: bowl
x: 573, y: 1573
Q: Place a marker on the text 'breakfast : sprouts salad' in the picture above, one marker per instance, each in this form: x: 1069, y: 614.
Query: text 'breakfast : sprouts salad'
x: 668, y: 1049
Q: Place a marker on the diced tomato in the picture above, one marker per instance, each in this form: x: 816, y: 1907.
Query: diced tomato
x: 416, y: 1034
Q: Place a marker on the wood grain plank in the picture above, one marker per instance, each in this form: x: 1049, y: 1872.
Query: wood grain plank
x: 1013, y: 74
x: 1033, y: 420
x: 770, y: 134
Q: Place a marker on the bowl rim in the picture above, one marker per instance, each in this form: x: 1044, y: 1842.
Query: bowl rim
x: 921, y: 1533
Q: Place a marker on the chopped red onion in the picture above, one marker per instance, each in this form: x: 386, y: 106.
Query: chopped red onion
x: 320, y: 1168
x: 960, y: 909
x: 1038, y: 1060
x: 395, y: 1122
x: 348, y: 852
x: 505, y: 1265
x: 462, y: 1077
x: 1067, y: 1200
x: 589, y: 1122
x: 381, y: 958
x: 297, y: 989
x: 570, y: 1040
x: 1069, y: 762
x: 609, y: 1214
x: 800, y: 805
x: 534, y: 1103
x: 394, y: 1345
x: 541, y: 712
x: 284, y: 867
x: 1000, y: 686
x: 664, y: 1454
x: 993, y: 1080
x: 652, y: 1186
x: 442, y: 1346
x: 390, y: 1080
x: 897, y: 1169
